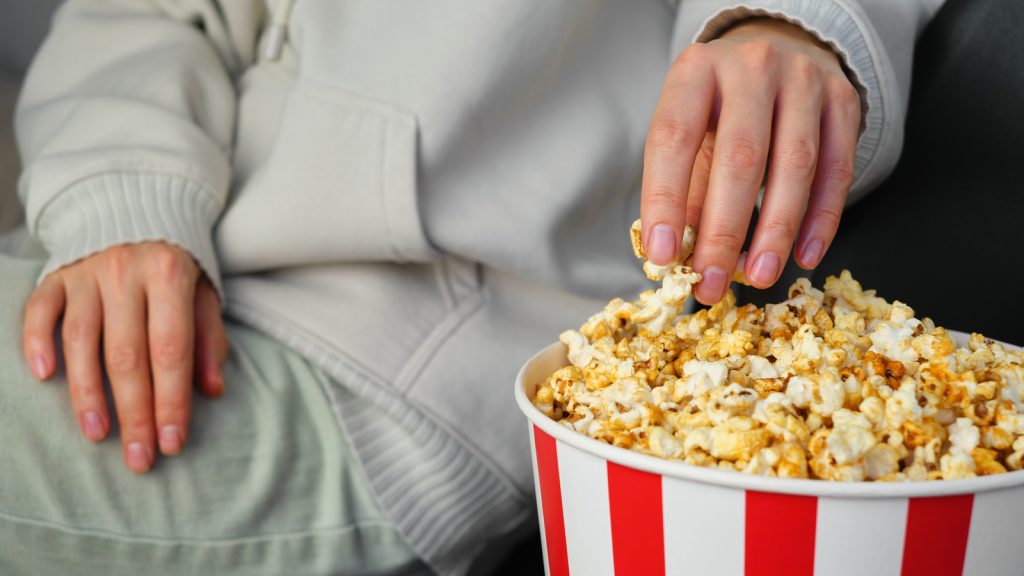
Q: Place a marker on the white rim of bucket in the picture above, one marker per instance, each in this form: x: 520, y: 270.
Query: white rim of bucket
x: 741, y: 481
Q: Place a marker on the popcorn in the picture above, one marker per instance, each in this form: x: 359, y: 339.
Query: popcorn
x: 663, y: 444
x: 833, y: 385
x: 958, y: 466
x: 848, y: 444
x: 964, y: 436
x: 880, y: 461
x: 733, y: 400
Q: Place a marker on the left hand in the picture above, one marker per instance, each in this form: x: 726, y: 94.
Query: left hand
x: 763, y: 86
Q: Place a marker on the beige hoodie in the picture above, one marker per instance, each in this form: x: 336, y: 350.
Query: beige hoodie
x: 415, y: 195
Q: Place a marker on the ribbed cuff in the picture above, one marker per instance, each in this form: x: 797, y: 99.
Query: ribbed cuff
x: 835, y: 23
x: 116, y: 208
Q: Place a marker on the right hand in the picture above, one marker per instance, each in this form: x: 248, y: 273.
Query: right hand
x: 159, y: 319
x: 765, y: 85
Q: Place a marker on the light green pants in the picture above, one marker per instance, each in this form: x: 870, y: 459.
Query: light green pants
x: 266, y: 484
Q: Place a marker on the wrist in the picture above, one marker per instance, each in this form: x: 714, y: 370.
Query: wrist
x: 764, y: 27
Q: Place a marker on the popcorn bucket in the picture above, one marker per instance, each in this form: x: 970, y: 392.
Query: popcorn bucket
x: 608, y: 511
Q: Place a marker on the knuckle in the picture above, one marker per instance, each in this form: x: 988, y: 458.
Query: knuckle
x: 123, y: 358
x: 722, y: 240
x: 669, y: 133
x: 805, y: 70
x: 117, y: 261
x: 798, y: 156
x: 758, y: 54
x: 135, y: 423
x: 694, y: 56
x: 173, y: 407
x: 696, y: 51
x: 77, y: 331
x: 829, y: 218
x: 779, y: 228
x: 662, y: 198
x: 840, y: 171
x: 170, y: 266
x: 845, y: 95
x: 169, y: 353
x: 741, y: 157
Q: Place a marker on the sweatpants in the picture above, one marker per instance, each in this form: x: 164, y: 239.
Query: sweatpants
x: 266, y: 483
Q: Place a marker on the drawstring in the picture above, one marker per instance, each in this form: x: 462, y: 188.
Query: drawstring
x: 278, y: 29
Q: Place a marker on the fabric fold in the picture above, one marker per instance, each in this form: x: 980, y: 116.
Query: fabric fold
x: 129, y: 208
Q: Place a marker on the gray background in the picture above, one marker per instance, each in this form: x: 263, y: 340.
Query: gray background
x: 23, y: 24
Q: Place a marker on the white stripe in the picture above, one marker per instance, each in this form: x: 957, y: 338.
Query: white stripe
x: 588, y: 526
x: 540, y: 506
x: 996, y: 544
x: 856, y: 536
x: 704, y: 528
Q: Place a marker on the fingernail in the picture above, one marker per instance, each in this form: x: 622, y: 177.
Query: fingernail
x: 39, y: 366
x: 216, y: 386
x: 662, y: 244
x: 766, y: 269
x: 137, y: 457
x: 170, y: 439
x: 712, y: 286
x: 741, y: 264
x: 92, y: 426
x: 813, y: 252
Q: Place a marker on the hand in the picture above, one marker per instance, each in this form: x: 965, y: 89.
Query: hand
x: 158, y: 317
x: 765, y: 85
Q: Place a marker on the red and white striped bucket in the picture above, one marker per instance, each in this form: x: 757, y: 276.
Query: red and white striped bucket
x: 606, y: 511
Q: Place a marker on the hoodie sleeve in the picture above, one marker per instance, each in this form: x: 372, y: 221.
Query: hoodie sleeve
x: 125, y: 124
x: 875, y: 40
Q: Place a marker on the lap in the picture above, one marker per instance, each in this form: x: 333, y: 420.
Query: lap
x: 266, y: 484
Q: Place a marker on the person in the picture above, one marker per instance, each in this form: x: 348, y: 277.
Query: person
x: 353, y: 222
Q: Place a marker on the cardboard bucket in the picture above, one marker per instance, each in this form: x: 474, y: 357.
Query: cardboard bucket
x: 608, y: 511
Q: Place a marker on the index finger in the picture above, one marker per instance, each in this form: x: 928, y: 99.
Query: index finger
x: 673, y: 140
x: 42, y: 312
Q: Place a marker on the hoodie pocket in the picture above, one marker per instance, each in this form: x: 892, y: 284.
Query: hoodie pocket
x: 338, y: 185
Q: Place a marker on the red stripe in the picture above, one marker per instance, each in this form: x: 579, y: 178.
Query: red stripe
x: 936, y: 539
x: 638, y: 540
x: 779, y: 534
x: 551, y: 503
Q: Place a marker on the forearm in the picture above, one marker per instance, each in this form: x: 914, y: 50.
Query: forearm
x: 125, y: 125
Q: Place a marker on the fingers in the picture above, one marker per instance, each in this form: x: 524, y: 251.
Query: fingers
x: 139, y: 301
x: 676, y: 134
x: 794, y: 155
x: 170, y: 297
x: 699, y: 181
x: 83, y: 322
x: 126, y: 353
x: 211, y: 347
x: 741, y: 149
x: 839, y: 124
x: 42, y: 312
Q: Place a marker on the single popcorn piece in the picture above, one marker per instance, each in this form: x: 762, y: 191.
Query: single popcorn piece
x: 654, y: 271
x: 658, y: 309
x: 835, y: 384
x: 848, y: 444
x: 880, y: 461
x: 958, y: 466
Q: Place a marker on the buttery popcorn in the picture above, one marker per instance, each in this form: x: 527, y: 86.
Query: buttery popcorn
x: 834, y: 384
